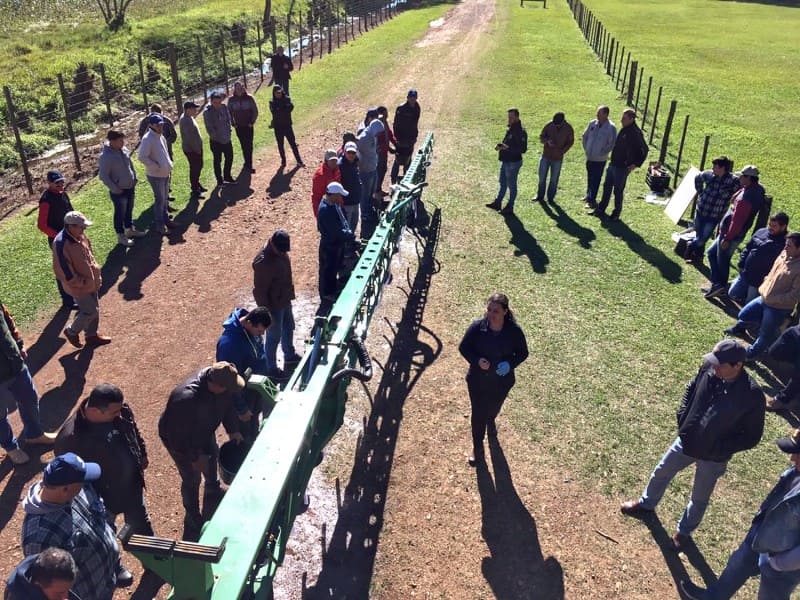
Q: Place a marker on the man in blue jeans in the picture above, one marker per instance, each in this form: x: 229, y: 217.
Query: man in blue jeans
x: 510, y: 151
x: 757, y: 258
x: 118, y: 174
x: 779, y: 294
x: 771, y: 548
x: 722, y: 413
x: 557, y: 138
x: 715, y: 186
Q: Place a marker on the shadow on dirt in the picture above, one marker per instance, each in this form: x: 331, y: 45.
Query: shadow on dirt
x: 516, y: 567
x: 568, y: 225
x: 348, y: 563
x: 222, y: 197
x: 281, y: 182
x: 526, y: 244
x: 49, y: 341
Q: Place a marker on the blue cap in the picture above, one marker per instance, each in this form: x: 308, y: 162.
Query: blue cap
x: 155, y: 119
x: 70, y: 468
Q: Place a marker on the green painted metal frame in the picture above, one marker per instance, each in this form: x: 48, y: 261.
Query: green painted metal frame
x: 243, y: 544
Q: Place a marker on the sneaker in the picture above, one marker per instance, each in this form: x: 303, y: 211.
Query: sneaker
x: 124, y: 577
x: 162, y: 230
x: 476, y: 457
x: 536, y: 199
x: 633, y: 507
x: 495, y: 205
x: 301, y: 165
x: 132, y: 232
x: 123, y: 241
x: 680, y: 541
x: 170, y: 224
x: 46, y: 439
x: 613, y: 217
x: 715, y: 291
x: 736, y: 331
x: 507, y: 210
x: 18, y: 456
x: 73, y: 338
x: 97, y: 340
x: 219, y: 181
x: 202, y: 189
x: 773, y: 404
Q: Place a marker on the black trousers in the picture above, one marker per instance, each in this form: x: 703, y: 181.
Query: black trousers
x: 402, y: 158
x: 135, y: 514
x: 190, y: 479
x: 486, y: 403
x: 245, y: 135
x: 288, y: 134
x: 331, y: 258
x: 195, y: 168
x: 219, y: 151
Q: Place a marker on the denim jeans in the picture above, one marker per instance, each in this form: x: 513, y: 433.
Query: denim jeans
x: 508, y: 180
x: 160, y: 187
x: 554, y: 166
x: 22, y: 391
x: 594, y: 175
x: 123, y: 209
x: 787, y: 349
x: 369, y: 216
x: 703, y: 228
x: 616, y: 178
x: 741, y: 288
x: 756, y: 311
x: 719, y: 260
x: 282, y: 330
x: 705, y: 478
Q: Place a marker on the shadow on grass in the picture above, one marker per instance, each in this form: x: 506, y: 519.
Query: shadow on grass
x: 669, y: 269
x: 786, y: 3
x: 568, y: 225
x: 281, y: 182
x: 348, y: 563
x: 526, y: 244
x: 516, y: 567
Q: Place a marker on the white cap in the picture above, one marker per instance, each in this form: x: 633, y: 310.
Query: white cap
x: 334, y: 187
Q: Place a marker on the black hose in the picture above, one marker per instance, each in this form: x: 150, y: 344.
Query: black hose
x: 364, y: 361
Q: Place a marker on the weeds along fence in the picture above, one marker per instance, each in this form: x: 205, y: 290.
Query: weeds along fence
x: 98, y: 96
x: 629, y: 78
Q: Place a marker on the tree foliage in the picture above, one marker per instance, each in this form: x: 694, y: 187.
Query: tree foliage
x: 113, y: 12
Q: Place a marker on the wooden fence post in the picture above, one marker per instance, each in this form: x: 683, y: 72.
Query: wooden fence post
x: 621, y: 82
x: 289, y: 34
x: 632, y: 82
x: 647, y: 100
x: 300, y: 30
x: 639, y: 87
x: 106, y: 93
x: 224, y: 63
x: 610, y: 54
x: 330, y: 33
x: 144, y: 82
x: 667, y: 128
x: 680, y: 150
x: 12, y: 117
x: 259, y: 42
x: 338, y: 27
x: 70, y: 131
x: 655, y: 113
x: 241, y: 60
x: 311, y: 32
x: 176, y: 82
x: 202, y: 69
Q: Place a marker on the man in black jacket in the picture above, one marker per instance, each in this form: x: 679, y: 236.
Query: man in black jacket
x: 187, y: 428
x: 406, y: 130
x: 757, y: 258
x: 104, y: 431
x: 628, y: 154
x: 722, y: 413
x: 509, y: 152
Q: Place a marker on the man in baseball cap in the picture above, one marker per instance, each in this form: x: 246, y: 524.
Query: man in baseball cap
x: 70, y: 468
x: 335, y: 234
x: 772, y: 545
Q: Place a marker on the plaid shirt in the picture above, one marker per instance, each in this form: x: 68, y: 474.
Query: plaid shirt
x: 80, y: 528
x: 714, y: 193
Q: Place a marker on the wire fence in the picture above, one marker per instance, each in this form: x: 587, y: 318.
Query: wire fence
x: 100, y: 96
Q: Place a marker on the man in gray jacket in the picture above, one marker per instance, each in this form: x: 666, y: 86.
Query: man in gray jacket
x: 367, y: 142
x: 598, y: 142
x: 154, y: 156
x: 192, y: 146
x: 116, y: 171
x: 218, y: 125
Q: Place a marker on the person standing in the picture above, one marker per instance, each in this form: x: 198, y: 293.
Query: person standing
x: 168, y: 127
x: 104, y: 431
x: 721, y: 413
x: 746, y: 203
x: 557, y: 137
x: 326, y: 173
x: 281, y: 108
x: 598, y: 141
x: 630, y: 151
x: 714, y: 186
x: 509, y: 153
x: 367, y: 144
x: 351, y: 181
x: 494, y: 346
x: 192, y: 146
x: 63, y: 510
x: 154, y: 156
x: 244, y: 113
x: 281, y: 67
x: 406, y: 130
x: 273, y: 287
x: 757, y: 258
x: 187, y: 428
x: 217, y: 119
x: 75, y: 266
x: 386, y: 141
x: 117, y: 172
x: 771, y: 548
x: 54, y: 204
x: 48, y: 575
x: 17, y: 391
x: 335, y: 234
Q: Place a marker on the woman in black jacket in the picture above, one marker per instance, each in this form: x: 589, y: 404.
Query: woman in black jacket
x: 281, y: 108
x: 494, y: 346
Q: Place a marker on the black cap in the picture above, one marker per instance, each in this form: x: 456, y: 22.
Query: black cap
x: 53, y: 176
x: 791, y: 444
x: 727, y: 351
x: 280, y: 239
x: 190, y: 104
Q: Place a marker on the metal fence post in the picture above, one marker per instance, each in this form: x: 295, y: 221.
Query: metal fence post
x: 632, y: 82
x: 655, y: 113
x: 144, y: 82
x: 12, y: 117
x: 70, y: 131
x: 705, y: 152
x: 176, y: 82
x: 667, y: 128
x: 639, y: 87
x: 647, y: 100
x: 106, y: 92
x: 680, y: 150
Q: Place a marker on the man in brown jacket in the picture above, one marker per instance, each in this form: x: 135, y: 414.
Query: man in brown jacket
x: 79, y: 273
x: 778, y: 295
x: 273, y: 287
x: 557, y: 138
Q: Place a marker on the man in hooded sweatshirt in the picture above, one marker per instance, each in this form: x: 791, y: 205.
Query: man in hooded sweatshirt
x: 48, y: 575
x: 117, y: 172
x: 367, y: 142
x: 158, y: 165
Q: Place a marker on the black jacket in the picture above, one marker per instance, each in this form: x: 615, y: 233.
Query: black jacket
x: 19, y: 586
x: 281, y: 109
x: 517, y: 141
x: 193, y: 414
x: 630, y: 147
x: 759, y: 255
x: 508, y: 344
x: 717, y: 419
x: 118, y: 448
x: 406, y: 124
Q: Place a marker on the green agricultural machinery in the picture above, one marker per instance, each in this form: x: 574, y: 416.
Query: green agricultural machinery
x: 244, y: 543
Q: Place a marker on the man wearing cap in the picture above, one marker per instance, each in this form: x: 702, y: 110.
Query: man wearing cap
x: 192, y: 146
x: 557, y: 137
x: 406, y: 130
x: 746, y: 203
x: 509, y: 153
x: 63, y: 511
x: 351, y: 181
x: 77, y: 270
x: 168, y: 127
x: 244, y: 113
x: 48, y: 575
x: 281, y: 68
x: 757, y: 258
x: 17, y: 391
x: 721, y: 413
x: 771, y: 548
x: 187, y: 428
x: 598, y: 141
x: 367, y: 144
x: 335, y: 233
x: 217, y: 119
x: 327, y: 172
x: 116, y: 171
x: 779, y: 293
x: 54, y: 204
x: 158, y: 165
x: 273, y: 287
x: 281, y: 108
x: 104, y: 430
